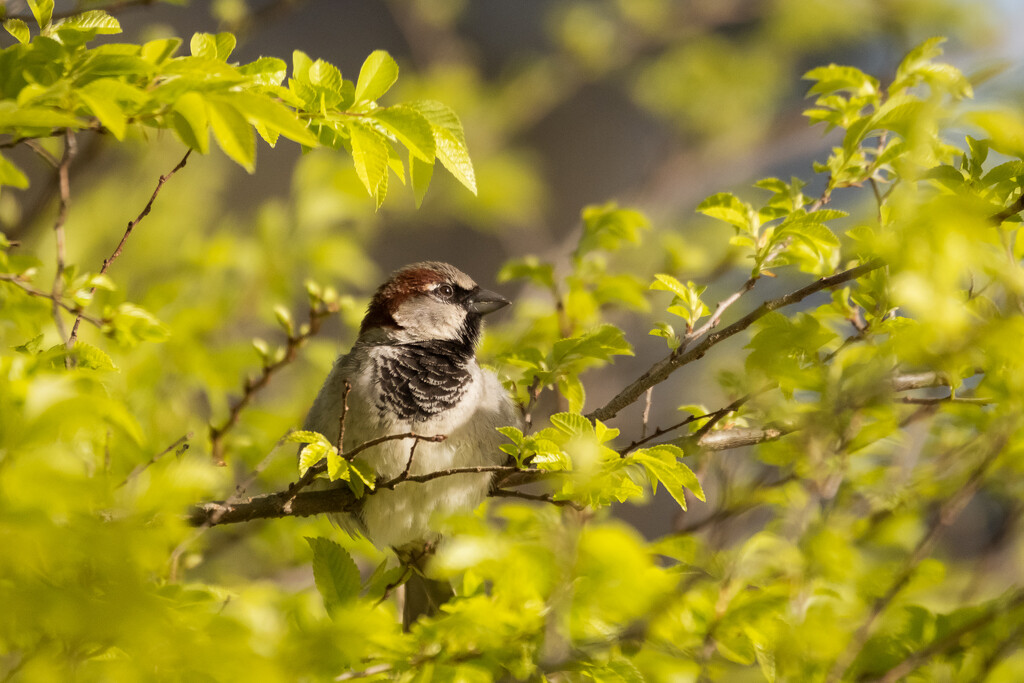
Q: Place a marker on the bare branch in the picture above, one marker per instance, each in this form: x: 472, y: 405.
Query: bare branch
x: 128, y: 231
x: 951, y: 639
x: 664, y: 368
x: 288, y: 504
x: 28, y: 289
x: 948, y: 513
x: 139, y: 469
x: 543, y: 497
x: 720, y: 309
x: 251, y: 387
x: 58, y: 228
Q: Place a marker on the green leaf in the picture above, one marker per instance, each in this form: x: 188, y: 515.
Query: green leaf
x: 14, y: 118
x: 335, y: 573
x: 12, y: 175
x: 370, y: 155
x: 662, y: 464
x: 225, y: 45
x: 18, y: 29
x: 727, y: 207
x: 91, y: 357
x: 608, y: 226
x: 203, y: 45
x: 325, y: 75
x: 410, y: 128
x: 572, y: 423
x: 261, y: 109
x: 158, y: 51
x: 192, y: 122
x: 306, y: 436
x: 378, y: 73
x: 93, y: 20
x: 97, y: 96
x: 420, y: 173
x: 528, y: 268
x: 310, y: 454
x: 572, y: 389
x: 42, y: 10
x: 233, y: 133
x: 449, y: 141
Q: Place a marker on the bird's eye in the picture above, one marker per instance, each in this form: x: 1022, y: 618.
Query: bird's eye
x: 446, y: 291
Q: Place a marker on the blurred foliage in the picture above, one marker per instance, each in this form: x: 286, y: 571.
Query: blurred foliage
x: 876, y: 422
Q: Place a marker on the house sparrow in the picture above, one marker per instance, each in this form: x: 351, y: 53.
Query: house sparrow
x: 413, y: 369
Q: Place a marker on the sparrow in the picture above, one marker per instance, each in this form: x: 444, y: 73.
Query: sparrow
x: 413, y: 368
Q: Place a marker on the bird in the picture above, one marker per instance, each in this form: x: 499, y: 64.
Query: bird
x: 413, y: 369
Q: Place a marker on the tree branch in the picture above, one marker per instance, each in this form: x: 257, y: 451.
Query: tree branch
x: 18, y: 282
x: 947, y: 514
x: 333, y: 500
x: 911, y: 663
x: 58, y: 227
x: 251, y: 387
x: 661, y: 370
x: 124, y: 238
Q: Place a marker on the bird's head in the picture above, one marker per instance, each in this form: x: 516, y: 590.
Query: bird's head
x: 428, y: 301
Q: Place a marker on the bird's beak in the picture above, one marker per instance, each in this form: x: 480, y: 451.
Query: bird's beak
x: 484, y: 302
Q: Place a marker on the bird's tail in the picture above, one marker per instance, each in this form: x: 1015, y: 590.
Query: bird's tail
x: 423, y: 597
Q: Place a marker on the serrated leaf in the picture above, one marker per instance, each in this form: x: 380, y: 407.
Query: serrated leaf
x: 306, y: 436
x: 335, y: 573
x: 310, y: 454
x: 572, y: 423
x: 233, y: 133
x: 225, y: 45
x: 93, y: 20
x: 410, y: 128
x: 42, y: 10
x: 325, y: 75
x: 449, y: 141
x: 727, y: 207
x: 378, y: 73
x: 18, y: 29
x: 91, y: 357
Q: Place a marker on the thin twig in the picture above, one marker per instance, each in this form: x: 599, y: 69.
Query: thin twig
x: 543, y: 497
x: 340, y: 445
x: 647, y: 412
x: 128, y: 231
x: 287, y: 504
x: 914, y: 661
x: 139, y: 469
x: 664, y: 368
x: 948, y: 513
x: 64, y: 186
x: 720, y: 309
x: 251, y: 386
x: 74, y: 309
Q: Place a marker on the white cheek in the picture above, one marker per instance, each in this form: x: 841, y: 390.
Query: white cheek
x: 424, y: 318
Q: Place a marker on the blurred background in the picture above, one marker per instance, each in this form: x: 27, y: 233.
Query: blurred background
x: 654, y: 104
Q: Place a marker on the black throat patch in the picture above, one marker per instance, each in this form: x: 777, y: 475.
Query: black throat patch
x: 422, y: 380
